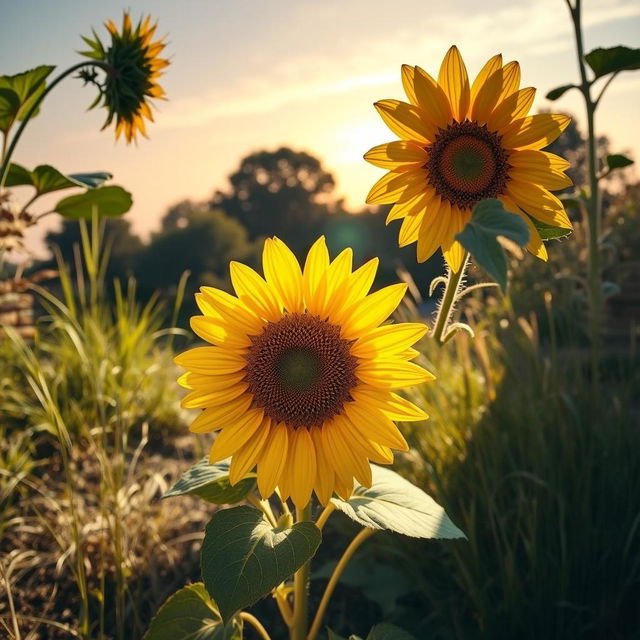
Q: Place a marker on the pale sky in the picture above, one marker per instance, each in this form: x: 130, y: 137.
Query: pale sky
x: 249, y: 75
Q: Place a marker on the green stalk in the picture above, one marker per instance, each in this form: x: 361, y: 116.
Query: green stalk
x: 6, y: 157
x: 448, y: 300
x: 593, y: 209
x: 301, y: 589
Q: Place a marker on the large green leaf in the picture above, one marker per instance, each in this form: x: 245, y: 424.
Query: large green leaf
x: 46, y: 179
x: 613, y: 59
x: 108, y: 201
x: 618, y: 161
x: 489, y: 221
x: 244, y: 557
x: 211, y: 482
x: 9, y: 106
x: 548, y: 232
x: 190, y: 614
x: 395, y: 504
x: 28, y: 86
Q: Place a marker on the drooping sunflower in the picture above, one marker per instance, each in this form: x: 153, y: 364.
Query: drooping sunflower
x: 461, y: 143
x: 135, y: 65
x: 301, y: 379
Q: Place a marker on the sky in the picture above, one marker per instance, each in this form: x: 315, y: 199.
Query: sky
x: 247, y: 75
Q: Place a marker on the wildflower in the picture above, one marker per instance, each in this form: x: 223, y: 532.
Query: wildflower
x: 460, y: 144
x: 301, y: 381
x: 131, y: 80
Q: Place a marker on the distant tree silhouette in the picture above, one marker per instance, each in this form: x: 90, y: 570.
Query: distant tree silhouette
x: 285, y: 193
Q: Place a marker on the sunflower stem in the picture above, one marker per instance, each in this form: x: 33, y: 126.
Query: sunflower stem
x: 335, y: 577
x: 256, y: 624
x: 6, y: 157
x: 301, y: 589
x: 447, y: 304
x: 594, y: 208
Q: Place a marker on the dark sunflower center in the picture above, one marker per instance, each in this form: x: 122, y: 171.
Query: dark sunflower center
x: 300, y: 371
x: 467, y: 163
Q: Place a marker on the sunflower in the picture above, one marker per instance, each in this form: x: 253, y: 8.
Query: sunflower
x: 301, y: 379
x: 462, y: 143
x: 134, y: 67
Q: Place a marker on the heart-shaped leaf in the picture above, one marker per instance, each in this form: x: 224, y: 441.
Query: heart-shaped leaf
x: 9, y: 107
x: 613, y: 59
x: 45, y: 178
x: 395, y: 504
x: 489, y: 221
x: 211, y: 482
x: 108, y: 201
x: 244, y: 557
x: 618, y: 161
x: 554, y: 94
x: 190, y: 614
x: 28, y: 86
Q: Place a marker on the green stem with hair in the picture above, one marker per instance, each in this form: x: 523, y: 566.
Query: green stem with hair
x: 8, y: 152
x: 447, y: 304
x: 301, y: 589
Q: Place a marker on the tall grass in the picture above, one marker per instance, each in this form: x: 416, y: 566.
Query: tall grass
x: 99, y: 380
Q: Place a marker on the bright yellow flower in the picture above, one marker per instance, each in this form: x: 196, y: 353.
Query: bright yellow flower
x: 132, y: 81
x: 460, y: 144
x: 301, y: 381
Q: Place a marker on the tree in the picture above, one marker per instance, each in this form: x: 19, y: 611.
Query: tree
x: 285, y: 193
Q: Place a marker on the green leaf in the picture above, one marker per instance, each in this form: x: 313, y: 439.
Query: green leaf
x: 554, y: 94
x: 548, y: 232
x: 18, y: 176
x: 9, y: 107
x: 618, y: 161
x: 244, y: 557
x: 613, y: 59
x: 211, y: 482
x: 109, y: 201
x: 91, y: 180
x: 480, y: 237
x: 393, y: 503
x: 190, y: 614
x: 28, y: 86
x: 388, y: 632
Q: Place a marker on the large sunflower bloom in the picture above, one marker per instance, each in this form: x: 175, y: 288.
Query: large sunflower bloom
x: 301, y: 379
x: 460, y: 144
x: 135, y: 66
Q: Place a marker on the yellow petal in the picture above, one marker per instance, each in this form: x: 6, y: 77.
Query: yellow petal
x: 315, y: 267
x: 397, y: 186
x: 410, y: 229
x: 213, y: 396
x: 434, y: 228
x: 372, y: 310
x: 355, y: 288
x: 344, y: 459
x: 325, y: 475
x: 219, y: 333
x: 234, y: 436
x: 245, y: 458
x: 399, y: 155
x: 219, y: 416
x: 535, y: 132
x: 530, y: 165
x: 510, y: 79
x: 491, y: 66
x: 452, y: 250
x: 375, y: 425
x: 432, y: 99
x: 454, y: 80
x: 232, y: 310
x: 414, y: 206
x: 539, y: 203
x: 211, y: 360
x: 408, y: 73
x: 513, y: 108
x: 302, y: 460
x: 283, y: 273
x: 391, y: 404
x: 391, y: 374
x: 254, y: 292
x: 488, y: 97
x: 273, y: 459
x: 406, y: 120
x: 388, y: 340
